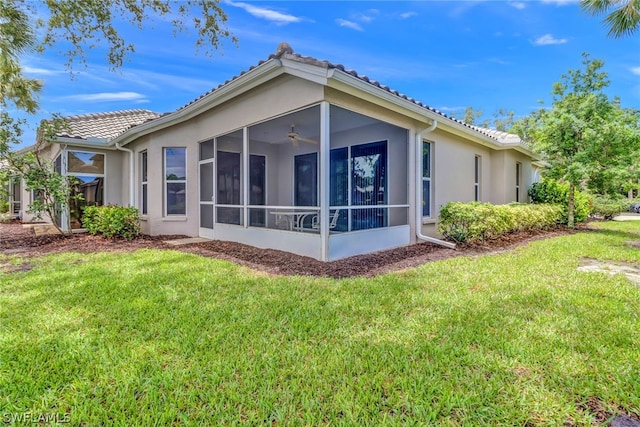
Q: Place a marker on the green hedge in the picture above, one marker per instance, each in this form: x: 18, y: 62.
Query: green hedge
x: 112, y: 221
x: 554, y: 192
x: 607, y: 207
x: 477, y: 221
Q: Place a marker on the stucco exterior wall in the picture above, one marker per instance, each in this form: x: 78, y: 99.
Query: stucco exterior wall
x: 279, y: 96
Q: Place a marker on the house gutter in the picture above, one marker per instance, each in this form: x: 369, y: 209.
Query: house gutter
x: 132, y: 184
x: 419, y: 235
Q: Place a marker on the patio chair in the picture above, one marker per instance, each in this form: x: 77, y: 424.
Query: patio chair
x: 315, y: 221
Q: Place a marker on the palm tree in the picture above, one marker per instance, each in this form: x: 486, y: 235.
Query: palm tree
x: 622, y: 16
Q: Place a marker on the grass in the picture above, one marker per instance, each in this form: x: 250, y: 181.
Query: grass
x: 164, y: 337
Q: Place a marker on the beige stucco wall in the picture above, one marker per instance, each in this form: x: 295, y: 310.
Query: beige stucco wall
x: 279, y: 96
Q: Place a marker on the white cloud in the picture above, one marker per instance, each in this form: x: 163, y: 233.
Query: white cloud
x: 268, y: 14
x: 40, y: 71
x: 560, y: 2
x: 349, y: 24
x: 446, y: 109
x: 548, y: 39
x: 407, y: 15
x: 636, y: 70
x: 517, y: 5
x: 106, y: 97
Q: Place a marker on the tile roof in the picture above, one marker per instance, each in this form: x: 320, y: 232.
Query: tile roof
x: 285, y: 51
x: 106, y: 126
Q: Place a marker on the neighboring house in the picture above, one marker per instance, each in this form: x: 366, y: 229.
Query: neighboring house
x: 294, y: 154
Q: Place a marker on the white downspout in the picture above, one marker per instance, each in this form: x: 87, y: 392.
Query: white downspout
x: 132, y: 182
x: 418, y: 143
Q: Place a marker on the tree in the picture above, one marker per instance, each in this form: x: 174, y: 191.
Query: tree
x: 584, y: 131
x: 80, y: 25
x: 622, y: 16
x: 16, y: 38
x: 503, y: 119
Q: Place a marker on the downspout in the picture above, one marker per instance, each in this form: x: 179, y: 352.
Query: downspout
x: 419, y: 235
x: 132, y: 184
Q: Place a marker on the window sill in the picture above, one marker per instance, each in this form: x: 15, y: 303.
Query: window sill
x: 174, y: 218
x: 427, y: 220
x: 143, y: 218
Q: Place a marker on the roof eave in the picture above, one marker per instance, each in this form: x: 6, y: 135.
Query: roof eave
x: 420, y: 113
x: 245, y: 82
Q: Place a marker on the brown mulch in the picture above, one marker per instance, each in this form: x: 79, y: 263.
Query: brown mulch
x: 14, y: 239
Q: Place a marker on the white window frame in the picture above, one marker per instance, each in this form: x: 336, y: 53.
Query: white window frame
x: 518, y: 180
x: 477, y: 177
x: 428, y: 179
x: 178, y: 181
x: 66, y: 217
x: 144, y: 182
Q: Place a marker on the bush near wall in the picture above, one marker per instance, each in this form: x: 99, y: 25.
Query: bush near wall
x: 476, y: 221
x: 554, y: 192
x: 607, y: 207
x: 112, y: 221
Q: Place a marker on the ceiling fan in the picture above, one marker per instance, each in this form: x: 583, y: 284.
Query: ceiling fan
x: 295, y: 137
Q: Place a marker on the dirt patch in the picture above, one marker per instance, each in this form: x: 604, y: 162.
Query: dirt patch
x: 13, y: 237
x: 612, y: 416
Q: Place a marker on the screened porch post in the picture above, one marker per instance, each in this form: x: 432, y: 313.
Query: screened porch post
x: 325, y: 176
x: 245, y: 176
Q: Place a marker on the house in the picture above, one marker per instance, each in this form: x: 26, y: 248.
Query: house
x: 294, y: 154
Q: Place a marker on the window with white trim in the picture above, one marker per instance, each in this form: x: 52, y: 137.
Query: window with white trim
x: 175, y: 177
x: 476, y: 180
x: 85, y: 173
x: 518, y: 180
x: 427, y: 154
x: 143, y: 183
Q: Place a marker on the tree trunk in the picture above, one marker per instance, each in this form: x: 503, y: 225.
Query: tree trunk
x: 571, y: 205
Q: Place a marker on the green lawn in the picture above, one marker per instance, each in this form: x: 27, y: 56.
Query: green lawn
x: 164, y: 337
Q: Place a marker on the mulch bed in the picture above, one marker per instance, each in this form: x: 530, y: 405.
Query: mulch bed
x: 14, y: 239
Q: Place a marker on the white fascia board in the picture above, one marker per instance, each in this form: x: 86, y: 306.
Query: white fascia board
x: 247, y: 81
x: 422, y: 112
x: 307, y: 71
x: 99, y: 144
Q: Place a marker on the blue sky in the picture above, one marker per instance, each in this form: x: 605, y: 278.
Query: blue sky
x: 446, y: 54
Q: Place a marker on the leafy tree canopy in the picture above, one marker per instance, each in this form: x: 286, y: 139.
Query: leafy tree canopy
x: 584, y: 132
x: 621, y: 17
x: 76, y: 27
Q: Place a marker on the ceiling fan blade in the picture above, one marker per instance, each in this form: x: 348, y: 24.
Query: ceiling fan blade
x: 294, y: 141
x: 308, y: 140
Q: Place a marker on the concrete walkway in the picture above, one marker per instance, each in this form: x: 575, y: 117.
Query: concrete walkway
x: 627, y: 216
x: 186, y: 241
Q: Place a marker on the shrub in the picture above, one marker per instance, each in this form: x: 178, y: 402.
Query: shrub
x: 4, y: 206
x: 476, y: 221
x: 607, y: 208
x: 112, y: 221
x: 554, y: 192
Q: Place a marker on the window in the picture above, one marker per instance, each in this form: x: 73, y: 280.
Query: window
x: 476, y: 185
x: 518, y: 180
x: 229, y: 180
x: 369, y: 185
x: 143, y: 183
x: 85, y: 174
x: 359, y: 178
x: 426, y: 178
x: 175, y: 172
x: 257, y: 188
x: 15, y: 193
x: 306, y: 180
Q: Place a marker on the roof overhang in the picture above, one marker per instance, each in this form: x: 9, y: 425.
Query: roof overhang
x: 318, y: 72
x: 348, y: 83
x: 236, y: 87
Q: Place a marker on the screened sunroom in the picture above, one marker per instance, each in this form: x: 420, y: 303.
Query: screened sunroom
x: 323, y: 181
